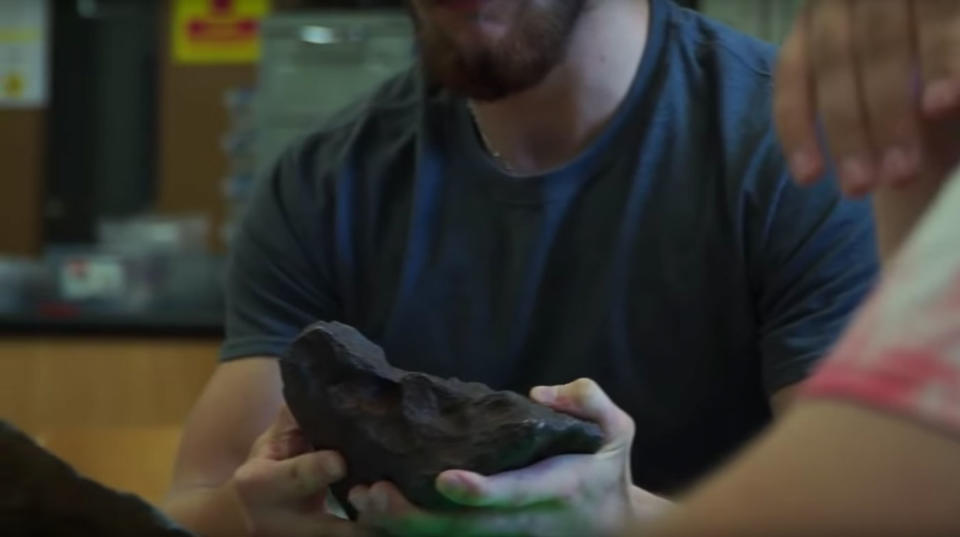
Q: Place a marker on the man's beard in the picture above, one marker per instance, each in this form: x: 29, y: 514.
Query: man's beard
x: 532, y: 48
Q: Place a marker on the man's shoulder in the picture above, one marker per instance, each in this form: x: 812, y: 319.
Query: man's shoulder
x: 724, y: 78
x: 732, y: 69
x: 715, y: 44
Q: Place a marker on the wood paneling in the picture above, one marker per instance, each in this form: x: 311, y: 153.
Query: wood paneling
x: 101, y: 382
x: 22, y: 152
x: 130, y: 459
x: 112, y: 407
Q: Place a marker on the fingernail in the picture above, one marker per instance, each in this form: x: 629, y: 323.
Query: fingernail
x: 359, y: 500
x: 333, y: 466
x: 900, y: 163
x: 941, y: 96
x: 459, y: 487
x: 856, y: 174
x: 453, y: 483
x: 378, y: 501
x: 544, y: 394
x: 804, y: 165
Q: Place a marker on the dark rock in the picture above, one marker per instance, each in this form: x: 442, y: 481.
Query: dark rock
x: 406, y: 427
x: 41, y: 496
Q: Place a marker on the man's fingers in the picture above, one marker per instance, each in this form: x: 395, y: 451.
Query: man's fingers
x: 885, y: 52
x: 308, y: 475
x: 282, y: 440
x: 558, y: 478
x: 584, y: 398
x: 382, y: 500
x: 383, y: 506
x: 938, y: 43
x: 838, y: 96
x: 793, y: 105
x: 296, y: 479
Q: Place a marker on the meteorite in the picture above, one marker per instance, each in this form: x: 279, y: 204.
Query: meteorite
x: 407, y: 427
x: 41, y: 496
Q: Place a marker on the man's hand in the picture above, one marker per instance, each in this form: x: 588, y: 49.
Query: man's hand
x: 282, y: 487
x: 572, y: 495
x: 883, y: 77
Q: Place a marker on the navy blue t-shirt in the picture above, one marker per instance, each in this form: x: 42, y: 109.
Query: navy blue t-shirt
x: 673, y: 261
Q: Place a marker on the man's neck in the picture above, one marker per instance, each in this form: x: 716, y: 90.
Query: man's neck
x: 550, y: 124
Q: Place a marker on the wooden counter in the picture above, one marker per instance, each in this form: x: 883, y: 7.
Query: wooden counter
x: 111, y: 407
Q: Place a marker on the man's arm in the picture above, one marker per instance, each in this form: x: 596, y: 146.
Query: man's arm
x: 240, y: 401
x: 277, y: 283
x: 232, y: 479
x: 831, y: 469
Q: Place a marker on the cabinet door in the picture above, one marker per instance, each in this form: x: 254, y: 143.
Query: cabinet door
x: 102, y: 138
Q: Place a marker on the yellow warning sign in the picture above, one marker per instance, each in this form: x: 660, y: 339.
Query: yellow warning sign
x: 12, y: 85
x: 217, y: 31
x: 24, y: 46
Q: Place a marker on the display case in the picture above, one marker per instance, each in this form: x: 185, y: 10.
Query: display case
x: 315, y: 63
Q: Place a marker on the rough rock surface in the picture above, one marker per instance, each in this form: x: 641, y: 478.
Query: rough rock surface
x: 41, y: 496
x: 407, y: 427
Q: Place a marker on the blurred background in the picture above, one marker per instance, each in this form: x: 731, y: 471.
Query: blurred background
x: 131, y: 134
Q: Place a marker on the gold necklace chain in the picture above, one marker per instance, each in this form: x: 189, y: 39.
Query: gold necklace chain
x: 486, y: 141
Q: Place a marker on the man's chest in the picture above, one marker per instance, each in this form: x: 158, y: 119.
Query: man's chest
x: 510, y: 295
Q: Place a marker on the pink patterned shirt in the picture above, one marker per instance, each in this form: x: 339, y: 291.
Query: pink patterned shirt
x: 902, y: 353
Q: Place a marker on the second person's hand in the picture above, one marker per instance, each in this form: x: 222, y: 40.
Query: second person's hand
x: 882, y: 76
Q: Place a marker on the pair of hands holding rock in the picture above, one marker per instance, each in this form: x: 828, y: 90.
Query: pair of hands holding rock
x: 283, y: 485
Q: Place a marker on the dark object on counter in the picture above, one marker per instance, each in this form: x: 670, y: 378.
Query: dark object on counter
x: 41, y: 496
x: 405, y: 427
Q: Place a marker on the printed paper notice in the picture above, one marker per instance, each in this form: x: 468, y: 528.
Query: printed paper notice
x: 217, y: 31
x: 23, y: 53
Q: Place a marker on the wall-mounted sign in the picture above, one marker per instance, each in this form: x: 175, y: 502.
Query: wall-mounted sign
x: 217, y: 31
x: 23, y: 53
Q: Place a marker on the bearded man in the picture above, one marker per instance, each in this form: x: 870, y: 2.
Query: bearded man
x: 557, y: 189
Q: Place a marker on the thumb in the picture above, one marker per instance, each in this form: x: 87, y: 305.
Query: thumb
x: 303, y: 477
x: 584, y: 399
x: 282, y: 440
